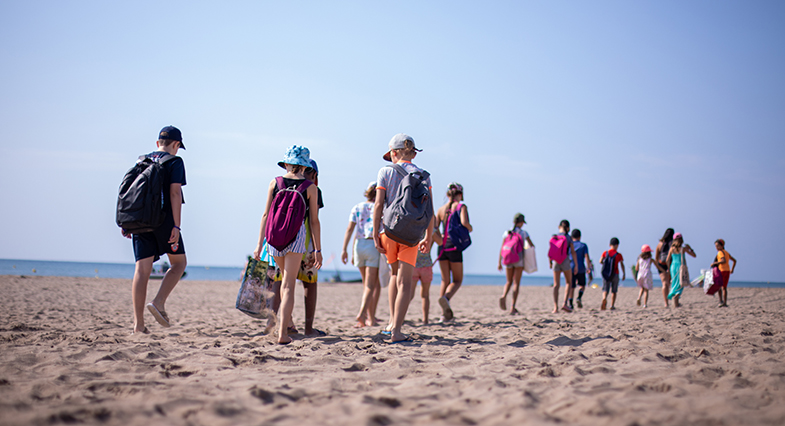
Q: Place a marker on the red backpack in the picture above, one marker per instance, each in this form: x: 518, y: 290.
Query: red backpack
x: 558, y: 248
x: 512, y: 248
x: 287, y: 214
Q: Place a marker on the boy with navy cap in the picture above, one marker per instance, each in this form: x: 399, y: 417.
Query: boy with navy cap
x: 166, y: 239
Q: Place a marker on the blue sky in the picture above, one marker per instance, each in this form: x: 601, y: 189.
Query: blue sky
x: 624, y: 117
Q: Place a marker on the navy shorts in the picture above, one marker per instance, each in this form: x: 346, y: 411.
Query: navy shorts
x: 453, y: 256
x: 579, y: 279
x: 156, y: 243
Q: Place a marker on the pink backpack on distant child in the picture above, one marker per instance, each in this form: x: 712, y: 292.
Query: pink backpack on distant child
x: 512, y: 248
x: 287, y: 214
x: 558, y: 248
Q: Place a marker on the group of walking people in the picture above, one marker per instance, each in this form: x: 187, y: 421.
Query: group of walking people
x: 290, y: 232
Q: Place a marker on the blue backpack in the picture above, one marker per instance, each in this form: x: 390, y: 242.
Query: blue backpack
x: 458, y: 233
x: 607, y: 267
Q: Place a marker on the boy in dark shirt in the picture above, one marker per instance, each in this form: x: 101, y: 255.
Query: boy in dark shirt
x: 166, y: 239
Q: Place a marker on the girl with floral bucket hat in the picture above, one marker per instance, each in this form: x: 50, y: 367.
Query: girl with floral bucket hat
x: 290, y: 199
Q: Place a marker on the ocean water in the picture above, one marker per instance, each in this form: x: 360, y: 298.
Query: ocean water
x: 224, y: 273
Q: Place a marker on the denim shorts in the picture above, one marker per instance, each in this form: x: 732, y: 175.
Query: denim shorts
x: 365, y: 253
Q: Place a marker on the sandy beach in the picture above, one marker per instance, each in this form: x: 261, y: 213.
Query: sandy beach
x: 67, y: 357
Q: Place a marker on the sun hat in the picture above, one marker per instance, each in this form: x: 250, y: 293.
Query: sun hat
x: 371, y: 186
x: 171, y: 133
x: 399, y: 142
x: 678, y: 235
x: 314, y: 166
x: 645, y: 249
x: 296, y: 155
x: 518, y: 218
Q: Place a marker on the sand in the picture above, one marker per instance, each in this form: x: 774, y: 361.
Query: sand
x: 66, y: 356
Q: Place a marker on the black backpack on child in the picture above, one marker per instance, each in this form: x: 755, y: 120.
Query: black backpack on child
x: 140, y: 203
x: 607, y: 267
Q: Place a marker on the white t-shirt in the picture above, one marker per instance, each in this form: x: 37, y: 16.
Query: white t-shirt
x: 362, y: 215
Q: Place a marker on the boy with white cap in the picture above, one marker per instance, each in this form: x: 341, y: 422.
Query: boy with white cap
x: 401, y: 257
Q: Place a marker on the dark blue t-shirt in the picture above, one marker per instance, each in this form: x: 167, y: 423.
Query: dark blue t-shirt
x: 581, y: 250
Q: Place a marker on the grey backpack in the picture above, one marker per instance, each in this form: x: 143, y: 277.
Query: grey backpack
x: 407, y: 218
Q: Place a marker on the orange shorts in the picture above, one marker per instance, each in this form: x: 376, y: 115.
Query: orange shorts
x: 397, y: 251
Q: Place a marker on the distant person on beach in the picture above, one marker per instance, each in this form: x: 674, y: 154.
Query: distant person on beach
x: 401, y: 257
x: 423, y: 272
x: 642, y: 274
x: 661, y: 257
x: 450, y: 257
x: 166, y: 239
x: 308, y: 274
x: 675, y: 260
x: 722, y: 262
x: 364, y: 256
x: 584, y: 262
x: 559, y: 252
x: 515, y: 269
x: 610, y: 283
x: 276, y: 226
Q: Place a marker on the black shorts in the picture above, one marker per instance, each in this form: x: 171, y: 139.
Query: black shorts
x: 453, y: 256
x: 579, y: 279
x: 156, y: 243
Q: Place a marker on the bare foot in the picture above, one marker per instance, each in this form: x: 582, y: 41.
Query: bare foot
x: 503, y: 303
x: 285, y: 341
x: 555, y: 310
x: 604, y: 304
x: 513, y: 311
x: 144, y: 330
x: 359, y: 324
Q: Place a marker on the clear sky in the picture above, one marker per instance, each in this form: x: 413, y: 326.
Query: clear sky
x: 623, y: 117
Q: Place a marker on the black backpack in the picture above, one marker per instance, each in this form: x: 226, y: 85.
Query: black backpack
x: 407, y: 218
x: 607, y: 267
x: 140, y: 203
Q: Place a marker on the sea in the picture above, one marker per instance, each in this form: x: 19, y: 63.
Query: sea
x: 229, y: 273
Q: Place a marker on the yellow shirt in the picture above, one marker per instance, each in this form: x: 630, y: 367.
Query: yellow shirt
x: 724, y: 258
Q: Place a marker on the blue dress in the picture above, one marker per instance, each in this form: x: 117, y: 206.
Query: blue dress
x: 676, y: 284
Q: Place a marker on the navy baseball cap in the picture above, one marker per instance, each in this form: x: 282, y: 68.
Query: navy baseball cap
x: 171, y: 133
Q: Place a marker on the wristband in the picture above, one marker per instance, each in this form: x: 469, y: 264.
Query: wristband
x: 178, y: 228
x: 317, y: 251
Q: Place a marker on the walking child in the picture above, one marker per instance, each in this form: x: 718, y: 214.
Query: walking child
x: 721, y: 261
x: 164, y: 239
x: 364, y: 256
x: 511, y: 255
x: 283, y: 227
x: 401, y: 256
x: 423, y: 272
x: 642, y: 274
x: 561, y: 248
x: 610, y: 260
x: 451, y: 256
x: 677, y: 258
x: 583, y: 261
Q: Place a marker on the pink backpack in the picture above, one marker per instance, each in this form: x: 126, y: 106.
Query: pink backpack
x: 287, y: 214
x: 512, y: 248
x: 558, y: 248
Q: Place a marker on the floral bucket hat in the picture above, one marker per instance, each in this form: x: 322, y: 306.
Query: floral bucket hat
x: 296, y: 155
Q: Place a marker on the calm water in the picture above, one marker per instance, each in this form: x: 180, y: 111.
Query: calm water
x: 223, y: 273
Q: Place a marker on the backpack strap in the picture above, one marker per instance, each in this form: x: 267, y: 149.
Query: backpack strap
x: 401, y: 171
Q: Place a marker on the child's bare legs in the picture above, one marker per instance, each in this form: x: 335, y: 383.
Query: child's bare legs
x: 676, y: 301
x: 377, y: 291
x: 311, y: 293
x: 567, y: 288
x: 370, y: 282
x: 666, y: 286
x: 613, y: 300
x: 448, y: 289
x: 425, y: 292
x: 640, y: 294
x: 402, y: 299
x: 392, y: 294
x: 290, y: 264
x: 556, y: 284
x: 507, y: 286
x: 516, y: 279
x: 645, y: 298
x: 604, y: 300
x: 139, y: 291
